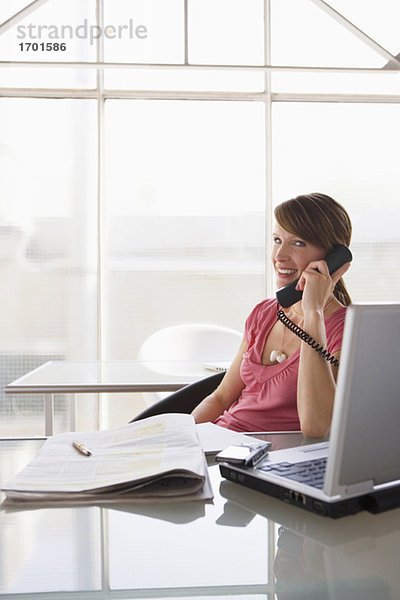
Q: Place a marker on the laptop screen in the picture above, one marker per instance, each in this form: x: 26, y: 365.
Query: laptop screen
x: 366, y: 421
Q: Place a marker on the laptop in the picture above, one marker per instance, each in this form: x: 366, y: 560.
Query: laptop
x: 359, y: 467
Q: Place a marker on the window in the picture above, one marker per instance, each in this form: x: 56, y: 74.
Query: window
x: 48, y: 244
x: 139, y: 169
x: 186, y: 194
x: 349, y: 151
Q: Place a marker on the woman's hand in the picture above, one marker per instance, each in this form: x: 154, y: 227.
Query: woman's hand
x: 318, y: 285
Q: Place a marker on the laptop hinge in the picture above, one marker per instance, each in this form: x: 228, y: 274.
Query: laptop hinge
x: 359, y: 488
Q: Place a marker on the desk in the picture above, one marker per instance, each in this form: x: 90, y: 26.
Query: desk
x: 243, y: 545
x: 80, y: 377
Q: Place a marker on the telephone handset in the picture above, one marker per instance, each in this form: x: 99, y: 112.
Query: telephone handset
x: 288, y: 295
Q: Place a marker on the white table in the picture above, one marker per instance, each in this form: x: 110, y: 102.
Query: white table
x: 243, y: 545
x: 80, y: 377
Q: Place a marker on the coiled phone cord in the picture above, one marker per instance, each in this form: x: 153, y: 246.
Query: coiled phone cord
x: 305, y: 337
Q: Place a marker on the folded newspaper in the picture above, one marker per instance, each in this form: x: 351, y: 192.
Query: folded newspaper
x: 159, y: 458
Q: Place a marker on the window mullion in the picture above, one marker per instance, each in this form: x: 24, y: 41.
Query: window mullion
x: 268, y: 151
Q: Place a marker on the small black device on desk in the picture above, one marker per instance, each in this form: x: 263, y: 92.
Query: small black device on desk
x: 244, y: 454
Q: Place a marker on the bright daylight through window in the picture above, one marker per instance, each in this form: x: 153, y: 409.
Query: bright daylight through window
x: 143, y: 146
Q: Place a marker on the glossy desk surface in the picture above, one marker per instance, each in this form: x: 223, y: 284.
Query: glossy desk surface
x: 108, y: 376
x: 242, y: 545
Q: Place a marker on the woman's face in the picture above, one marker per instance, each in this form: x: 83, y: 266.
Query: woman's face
x: 291, y: 255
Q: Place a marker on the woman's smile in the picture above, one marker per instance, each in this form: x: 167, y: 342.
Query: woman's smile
x: 286, y: 275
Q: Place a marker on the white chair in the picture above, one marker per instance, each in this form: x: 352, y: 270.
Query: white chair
x: 190, y: 342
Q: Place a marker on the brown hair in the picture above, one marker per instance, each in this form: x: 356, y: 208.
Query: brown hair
x: 319, y: 220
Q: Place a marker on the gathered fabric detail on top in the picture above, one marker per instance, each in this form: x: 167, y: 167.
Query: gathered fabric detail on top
x: 268, y: 401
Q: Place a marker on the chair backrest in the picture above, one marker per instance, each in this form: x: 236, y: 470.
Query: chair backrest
x: 185, y: 399
x: 191, y: 341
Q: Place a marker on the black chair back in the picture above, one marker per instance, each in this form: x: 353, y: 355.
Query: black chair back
x: 183, y: 400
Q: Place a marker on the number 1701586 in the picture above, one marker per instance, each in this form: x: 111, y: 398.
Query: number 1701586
x: 42, y: 46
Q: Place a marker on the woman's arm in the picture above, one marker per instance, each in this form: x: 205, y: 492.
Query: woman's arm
x: 226, y: 393
x: 316, y: 384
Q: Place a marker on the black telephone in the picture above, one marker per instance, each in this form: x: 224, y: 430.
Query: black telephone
x: 288, y: 295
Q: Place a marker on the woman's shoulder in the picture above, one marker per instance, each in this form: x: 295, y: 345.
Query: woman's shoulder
x: 338, y: 317
x: 268, y: 304
x: 334, y: 325
x: 264, y: 307
x: 263, y: 310
x: 260, y: 317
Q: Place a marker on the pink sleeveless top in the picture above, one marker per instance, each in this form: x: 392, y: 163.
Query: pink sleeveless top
x: 268, y: 401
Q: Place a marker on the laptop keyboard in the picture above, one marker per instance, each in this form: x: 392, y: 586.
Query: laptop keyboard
x: 310, y: 472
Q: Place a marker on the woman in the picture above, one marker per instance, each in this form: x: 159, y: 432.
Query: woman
x: 277, y: 381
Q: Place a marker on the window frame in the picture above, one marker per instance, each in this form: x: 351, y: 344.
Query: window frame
x: 100, y: 94
x: 268, y: 97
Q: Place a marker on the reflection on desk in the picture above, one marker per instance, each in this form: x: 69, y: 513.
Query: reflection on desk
x: 155, y: 549
x: 244, y: 545
x: 321, y: 559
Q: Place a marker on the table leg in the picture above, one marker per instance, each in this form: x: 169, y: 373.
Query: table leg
x: 49, y: 414
x: 105, y: 558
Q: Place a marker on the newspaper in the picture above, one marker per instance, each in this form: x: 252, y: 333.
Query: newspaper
x: 159, y: 458
x: 215, y: 438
